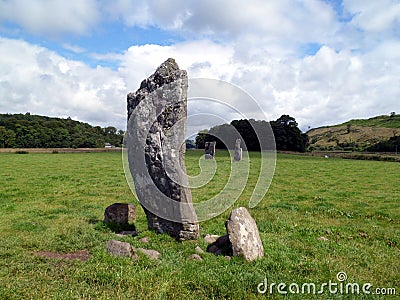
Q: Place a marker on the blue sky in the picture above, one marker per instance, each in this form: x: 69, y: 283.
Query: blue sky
x: 322, y: 62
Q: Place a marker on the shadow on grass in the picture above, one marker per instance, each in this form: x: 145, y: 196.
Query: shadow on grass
x: 111, y: 226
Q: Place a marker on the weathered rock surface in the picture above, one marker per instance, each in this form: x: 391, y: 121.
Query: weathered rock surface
x: 238, y: 151
x: 211, y: 238
x: 123, y: 249
x: 195, y: 257
x: 209, y: 150
x: 222, y: 246
x: 199, y: 250
x: 120, y: 213
x: 157, y: 114
x: 144, y: 239
x: 242, y: 238
x: 153, y: 254
x: 243, y: 235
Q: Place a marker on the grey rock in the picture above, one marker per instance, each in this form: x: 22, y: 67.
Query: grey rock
x: 209, y: 150
x: 117, y: 248
x: 120, y: 213
x: 238, y: 151
x: 218, y: 251
x: 128, y: 232
x: 222, y: 241
x: 212, y: 248
x: 243, y: 235
x: 222, y: 246
x: 157, y: 114
x: 153, y: 254
x: 199, y: 250
x: 195, y: 257
x: 211, y: 238
x: 144, y: 239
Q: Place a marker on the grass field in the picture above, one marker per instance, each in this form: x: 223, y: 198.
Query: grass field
x: 56, y: 202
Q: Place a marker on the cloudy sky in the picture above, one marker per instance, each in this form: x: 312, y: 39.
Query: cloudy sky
x: 322, y: 62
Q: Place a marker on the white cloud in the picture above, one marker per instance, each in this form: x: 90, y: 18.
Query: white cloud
x: 201, y: 58
x: 74, y: 48
x: 371, y: 24
x: 37, y: 80
x: 374, y: 16
x: 278, y: 26
x: 254, y: 44
x: 132, y: 13
x: 321, y: 89
x: 51, y: 17
x: 231, y: 17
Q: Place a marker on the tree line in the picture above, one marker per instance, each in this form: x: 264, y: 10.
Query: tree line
x: 391, y: 145
x: 256, y: 135
x: 34, y: 131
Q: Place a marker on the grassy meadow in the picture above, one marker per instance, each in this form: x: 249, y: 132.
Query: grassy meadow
x: 319, y: 217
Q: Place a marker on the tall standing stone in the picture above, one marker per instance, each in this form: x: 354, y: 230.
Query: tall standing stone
x: 238, y: 151
x: 209, y: 150
x: 157, y: 114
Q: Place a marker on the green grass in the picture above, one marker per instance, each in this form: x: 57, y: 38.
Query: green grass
x: 56, y: 203
x: 378, y: 121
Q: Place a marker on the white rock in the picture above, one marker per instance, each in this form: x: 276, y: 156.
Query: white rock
x: 243, y: 234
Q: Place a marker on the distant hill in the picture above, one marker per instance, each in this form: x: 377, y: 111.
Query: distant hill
x: 35, y: 131
x: 379, y: 133
x: 392, y: 121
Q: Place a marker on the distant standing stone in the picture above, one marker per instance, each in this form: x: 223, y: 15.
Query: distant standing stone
x: 120, y: 213
x: 209, y: 150
x: 243, y: 235
x: 238, y: 151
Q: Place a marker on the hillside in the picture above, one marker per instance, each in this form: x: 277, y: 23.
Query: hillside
x: 35, y: 131
x: 392, y: 121
x: 358, y: 134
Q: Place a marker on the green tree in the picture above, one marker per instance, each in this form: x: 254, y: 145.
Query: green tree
x: 7, y: 138
x: 288, y: 136
x: 33, y: 131
x: 190, y: 144
x: 255, y: 135
x: 201, y: 138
